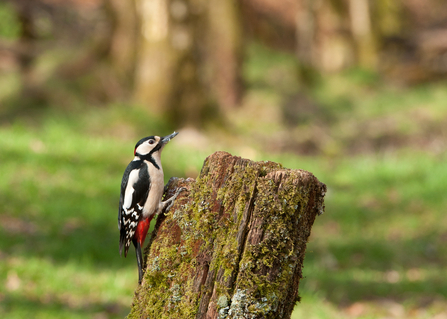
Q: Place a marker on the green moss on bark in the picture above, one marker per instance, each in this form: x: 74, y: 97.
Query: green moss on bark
x: 233, y: 245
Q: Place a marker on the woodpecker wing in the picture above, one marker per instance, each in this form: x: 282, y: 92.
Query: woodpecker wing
x: 135, y: 188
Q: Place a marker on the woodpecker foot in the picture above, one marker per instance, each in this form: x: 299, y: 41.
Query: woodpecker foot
x: 167, y: 204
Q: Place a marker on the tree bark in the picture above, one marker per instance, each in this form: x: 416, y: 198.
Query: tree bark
x: 233, y: 244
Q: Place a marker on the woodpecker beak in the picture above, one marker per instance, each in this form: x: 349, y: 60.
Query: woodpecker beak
x: 167, y: 138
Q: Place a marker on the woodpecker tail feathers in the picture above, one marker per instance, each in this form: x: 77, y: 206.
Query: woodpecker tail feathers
x: 123, y: 245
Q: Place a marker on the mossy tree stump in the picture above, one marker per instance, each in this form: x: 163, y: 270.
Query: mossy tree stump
x: 233, y: 244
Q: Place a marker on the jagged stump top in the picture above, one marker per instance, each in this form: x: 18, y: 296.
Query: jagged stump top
x: 233, y: 244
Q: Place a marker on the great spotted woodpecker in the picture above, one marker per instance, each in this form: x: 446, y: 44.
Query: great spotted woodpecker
x: 141, y: 194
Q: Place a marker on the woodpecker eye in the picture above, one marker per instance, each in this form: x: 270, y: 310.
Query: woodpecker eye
x: 151, y: 142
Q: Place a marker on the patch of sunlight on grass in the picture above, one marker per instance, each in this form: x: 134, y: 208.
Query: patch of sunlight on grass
x: 312, y: 306
x: 73, y: 285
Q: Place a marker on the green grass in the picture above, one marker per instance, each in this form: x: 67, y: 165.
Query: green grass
x: 58, y: 238
x: 379, y: 250
x: 382, y: 237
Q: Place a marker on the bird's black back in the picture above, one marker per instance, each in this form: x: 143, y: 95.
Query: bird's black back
x: 141, y: 189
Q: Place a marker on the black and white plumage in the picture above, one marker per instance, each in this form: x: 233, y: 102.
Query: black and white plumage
x: 141, y: 193
x: 135, y: 187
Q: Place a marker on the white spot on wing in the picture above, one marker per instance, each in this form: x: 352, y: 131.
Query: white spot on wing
x: 128, y: 211
x: 128, y: 193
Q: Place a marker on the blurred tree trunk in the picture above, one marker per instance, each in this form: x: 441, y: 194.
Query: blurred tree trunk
x: 360, y: 17
x: 225, y: 51
x: 305, y: 32
x: 156, y: 57
x: 123, y: 39
x: 189, y: 57
x: 322, y: 36
x: 27, y: 36
x: 233, y: 244
x: 168, y: 65
x: 26, y: 51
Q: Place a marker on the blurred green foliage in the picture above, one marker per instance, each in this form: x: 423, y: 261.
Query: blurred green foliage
x: 9, y: 26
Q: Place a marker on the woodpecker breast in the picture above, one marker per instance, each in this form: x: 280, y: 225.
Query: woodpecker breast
x: 157, y: 186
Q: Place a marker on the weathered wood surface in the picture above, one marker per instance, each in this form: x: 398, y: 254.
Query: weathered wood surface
x: 233, y: 244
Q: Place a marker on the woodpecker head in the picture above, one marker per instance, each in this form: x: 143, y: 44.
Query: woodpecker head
x: 152, y: 145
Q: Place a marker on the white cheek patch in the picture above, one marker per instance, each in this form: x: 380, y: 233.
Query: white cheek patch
x: 145, y: 148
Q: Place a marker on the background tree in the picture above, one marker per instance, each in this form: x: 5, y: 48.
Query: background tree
x: 185, y: 58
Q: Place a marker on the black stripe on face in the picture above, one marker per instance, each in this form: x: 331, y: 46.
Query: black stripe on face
x: 157, y: 147
x: 152, y: 160
x: 148, y: 157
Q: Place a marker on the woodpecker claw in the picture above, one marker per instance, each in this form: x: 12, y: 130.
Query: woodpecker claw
x: 169, y: 202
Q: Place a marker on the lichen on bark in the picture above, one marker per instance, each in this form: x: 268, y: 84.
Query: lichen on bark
x: 233, y: 244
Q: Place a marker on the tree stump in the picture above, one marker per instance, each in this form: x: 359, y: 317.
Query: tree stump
x: 233, y: 244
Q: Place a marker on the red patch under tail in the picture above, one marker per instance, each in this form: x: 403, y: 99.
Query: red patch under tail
x: 142, y: 229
